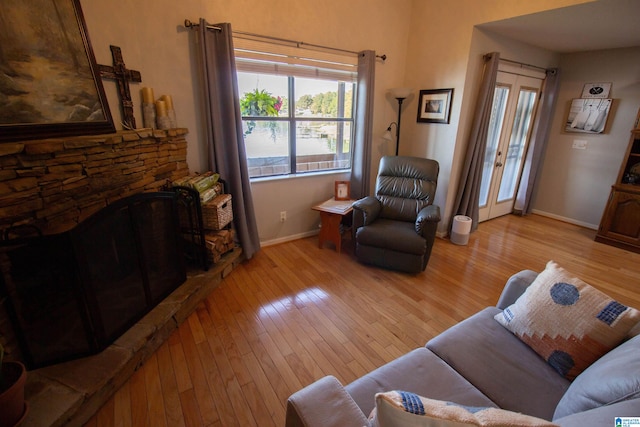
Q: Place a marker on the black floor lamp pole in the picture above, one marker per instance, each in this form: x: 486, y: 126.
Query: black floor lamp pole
x: 398, y: 126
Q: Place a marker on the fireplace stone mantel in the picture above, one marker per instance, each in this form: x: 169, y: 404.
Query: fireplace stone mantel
x: 56, y: 183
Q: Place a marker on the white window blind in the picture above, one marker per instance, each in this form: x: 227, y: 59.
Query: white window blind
x: 271, y: 58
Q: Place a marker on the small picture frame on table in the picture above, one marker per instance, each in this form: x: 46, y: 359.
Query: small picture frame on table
x: 342, y: 190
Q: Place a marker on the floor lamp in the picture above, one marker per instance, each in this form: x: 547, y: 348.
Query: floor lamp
x: 400, y: 94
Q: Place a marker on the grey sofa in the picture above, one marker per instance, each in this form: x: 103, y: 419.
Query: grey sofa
x: 480, y: 363
x: 396, y: 228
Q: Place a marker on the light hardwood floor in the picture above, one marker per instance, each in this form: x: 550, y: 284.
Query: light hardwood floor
x: 295, y: 313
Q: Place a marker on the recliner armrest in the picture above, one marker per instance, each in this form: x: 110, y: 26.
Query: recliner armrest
x: 325, y: 403
x: 429, y: 215
x: 365, y: 211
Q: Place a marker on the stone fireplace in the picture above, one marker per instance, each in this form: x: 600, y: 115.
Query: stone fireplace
x: 74, y: 293
x: 57, y: 184
x: 53, y: 186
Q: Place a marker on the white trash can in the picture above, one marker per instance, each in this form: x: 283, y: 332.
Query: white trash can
x: 460, y: 230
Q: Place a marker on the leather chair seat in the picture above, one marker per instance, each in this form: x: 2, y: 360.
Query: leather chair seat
x: 393, y: 235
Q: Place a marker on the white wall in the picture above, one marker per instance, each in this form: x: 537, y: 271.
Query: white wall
x: 575, y: 183
x: 427, y: 42
x: 445, y: 52
x: 154, y: 42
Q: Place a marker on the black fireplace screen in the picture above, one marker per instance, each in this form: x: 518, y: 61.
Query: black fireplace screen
x: 72, y: 294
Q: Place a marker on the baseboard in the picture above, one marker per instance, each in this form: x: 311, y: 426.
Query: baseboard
x: 288, y: 238
x: 565, y: 219
x: 439, y: 234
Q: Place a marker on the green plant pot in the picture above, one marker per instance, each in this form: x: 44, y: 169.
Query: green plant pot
x: 13, y: 408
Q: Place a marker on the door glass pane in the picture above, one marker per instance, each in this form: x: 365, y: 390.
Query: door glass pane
x: 500, y: 98
x: 517, y: 142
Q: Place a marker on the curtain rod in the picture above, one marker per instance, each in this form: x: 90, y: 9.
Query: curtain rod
x: 524, y: 65
x: 301, y: 45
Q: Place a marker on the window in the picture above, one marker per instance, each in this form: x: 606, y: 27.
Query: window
x: 296, y: 118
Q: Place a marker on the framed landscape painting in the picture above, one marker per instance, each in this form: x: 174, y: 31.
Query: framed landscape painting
x: 49, y: 82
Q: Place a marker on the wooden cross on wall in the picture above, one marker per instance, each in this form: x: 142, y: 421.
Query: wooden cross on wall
x: 122, y: 76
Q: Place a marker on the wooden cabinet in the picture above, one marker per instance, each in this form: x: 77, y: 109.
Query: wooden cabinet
x: 620, y: 225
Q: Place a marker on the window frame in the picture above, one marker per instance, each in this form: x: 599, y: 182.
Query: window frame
x: 281, y: 58
x: 293, y: 120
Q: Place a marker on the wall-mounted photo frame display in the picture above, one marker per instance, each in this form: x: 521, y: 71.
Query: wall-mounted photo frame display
x: 342, y: 190
x: 588, y: 115
x: 434, y: 105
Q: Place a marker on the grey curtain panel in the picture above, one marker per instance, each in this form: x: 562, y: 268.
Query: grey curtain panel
x: 539, y: 137
x: 361, y: 165
x: 468, y: 194
x: 224, y: 136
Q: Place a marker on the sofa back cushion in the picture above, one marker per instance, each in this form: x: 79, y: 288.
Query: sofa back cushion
x: 569, y: 323
x: 613, y: 378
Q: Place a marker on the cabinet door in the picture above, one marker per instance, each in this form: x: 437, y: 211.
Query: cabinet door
x: 623, y: 222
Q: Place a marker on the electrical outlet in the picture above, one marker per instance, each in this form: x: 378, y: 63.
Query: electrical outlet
x: 283, y: 216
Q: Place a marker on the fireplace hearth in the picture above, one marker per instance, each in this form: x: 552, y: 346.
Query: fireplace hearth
x: 72, y: 294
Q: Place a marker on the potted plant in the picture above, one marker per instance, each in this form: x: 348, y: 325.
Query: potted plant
x: 261, y: 103
x: 13, y: 376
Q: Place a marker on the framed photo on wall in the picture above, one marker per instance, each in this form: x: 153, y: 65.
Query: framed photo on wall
x: 54, y: 87
x: 434, y: 105
x: 342, y: 190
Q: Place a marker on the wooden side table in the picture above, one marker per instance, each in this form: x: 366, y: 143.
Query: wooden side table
x: 332, y: 212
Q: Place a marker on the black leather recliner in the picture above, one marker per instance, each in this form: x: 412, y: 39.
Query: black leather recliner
x: 396, y: 228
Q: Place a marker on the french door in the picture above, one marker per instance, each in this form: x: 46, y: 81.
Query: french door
x: 514, y: 106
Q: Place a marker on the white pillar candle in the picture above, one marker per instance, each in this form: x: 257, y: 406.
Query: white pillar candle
x: 161, y: 109
x: 147, y: 95
x: 168, y: 101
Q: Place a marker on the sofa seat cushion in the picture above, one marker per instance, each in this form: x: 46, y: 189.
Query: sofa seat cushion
x: 568, y: 322
x: 500, y: 365
x: 392, y: 235
x: 421, y: 372
x: 615, y: 377
x: 404, y: 409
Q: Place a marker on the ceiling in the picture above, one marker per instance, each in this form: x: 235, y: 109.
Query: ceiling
x: 602, y: 24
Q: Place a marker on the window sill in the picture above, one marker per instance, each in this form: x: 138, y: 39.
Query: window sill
x: 298, y: 175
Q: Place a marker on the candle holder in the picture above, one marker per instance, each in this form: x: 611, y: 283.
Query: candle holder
x: 149, y: 115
